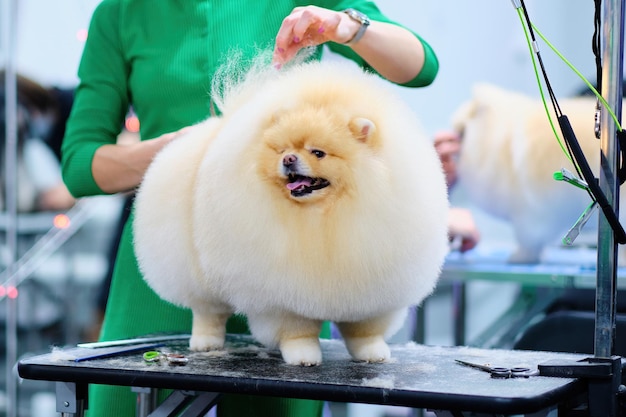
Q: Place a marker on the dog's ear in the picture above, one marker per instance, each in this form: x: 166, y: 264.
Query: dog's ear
x: 362, y: 128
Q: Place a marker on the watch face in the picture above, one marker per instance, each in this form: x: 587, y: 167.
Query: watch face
x: 357, y: 15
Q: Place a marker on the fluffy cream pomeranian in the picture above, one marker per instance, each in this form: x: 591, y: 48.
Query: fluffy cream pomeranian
x: 508, y: 157
x: 314, y: 197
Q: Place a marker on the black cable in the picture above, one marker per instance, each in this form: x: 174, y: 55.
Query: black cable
x: 573, y: 147
x: 553, y: 99
x: 594, y: 187
x: 596, y: 44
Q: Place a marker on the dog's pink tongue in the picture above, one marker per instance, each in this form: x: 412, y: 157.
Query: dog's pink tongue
x: 299, y: 183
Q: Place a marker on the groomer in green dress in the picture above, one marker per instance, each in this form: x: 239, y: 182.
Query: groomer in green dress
x: 158, y: 56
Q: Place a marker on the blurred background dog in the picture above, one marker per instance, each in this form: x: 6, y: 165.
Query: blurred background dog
x: 508, y: 156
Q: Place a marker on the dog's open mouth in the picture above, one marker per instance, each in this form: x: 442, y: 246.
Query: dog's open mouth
x: 299, y: 185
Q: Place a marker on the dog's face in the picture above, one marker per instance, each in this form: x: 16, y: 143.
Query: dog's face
x: 309, y: 154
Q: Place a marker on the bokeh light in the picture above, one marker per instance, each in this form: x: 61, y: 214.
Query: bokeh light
x: 132, y: 124
x: 61, y: 221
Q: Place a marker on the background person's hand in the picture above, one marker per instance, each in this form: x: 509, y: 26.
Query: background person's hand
x: 462, y: 229
x: 448, y: 145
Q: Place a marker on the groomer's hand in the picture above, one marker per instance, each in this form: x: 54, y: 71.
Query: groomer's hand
x: 121, y: 167
x: 164, y: 139
x: 310, y: 26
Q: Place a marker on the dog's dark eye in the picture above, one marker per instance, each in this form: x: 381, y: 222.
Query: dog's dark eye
x: 318, y: 154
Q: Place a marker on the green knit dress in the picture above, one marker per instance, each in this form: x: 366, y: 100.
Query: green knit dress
x: 159, y: 57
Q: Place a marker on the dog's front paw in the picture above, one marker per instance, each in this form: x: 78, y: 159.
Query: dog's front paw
x: 368, y: 349
x: 204, y: 343
x: 301, y: 351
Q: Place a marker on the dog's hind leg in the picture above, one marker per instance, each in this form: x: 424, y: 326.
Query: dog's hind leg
x: 365, y: 340
x: 296, y: 337
x: 303, y: 351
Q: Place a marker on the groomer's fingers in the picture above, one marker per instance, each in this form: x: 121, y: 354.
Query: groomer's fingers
x: 308, y: 26
x: 296, y: 32
x: 167, y: 137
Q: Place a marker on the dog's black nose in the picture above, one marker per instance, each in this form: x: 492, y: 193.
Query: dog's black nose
x: 289, y: 160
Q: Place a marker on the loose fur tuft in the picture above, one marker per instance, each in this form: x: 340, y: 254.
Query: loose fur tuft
x: 237, y: 75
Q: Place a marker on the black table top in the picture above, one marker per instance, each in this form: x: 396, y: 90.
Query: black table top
x: 417, y: 375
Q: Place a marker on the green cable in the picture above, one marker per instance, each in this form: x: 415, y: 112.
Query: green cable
x: 543, y: 98
x: 569, y: 64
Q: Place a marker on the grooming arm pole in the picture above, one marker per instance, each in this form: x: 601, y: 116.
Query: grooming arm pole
x: 612, y: 76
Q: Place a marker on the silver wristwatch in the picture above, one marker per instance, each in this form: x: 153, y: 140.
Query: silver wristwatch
x: 361, y: 18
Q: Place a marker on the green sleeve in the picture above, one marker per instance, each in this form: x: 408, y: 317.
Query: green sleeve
x: 101, y: 100
x: 431, y: 64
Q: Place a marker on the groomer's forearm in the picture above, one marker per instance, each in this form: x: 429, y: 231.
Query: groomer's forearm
x: 391, y: 50
x: 120, y: 168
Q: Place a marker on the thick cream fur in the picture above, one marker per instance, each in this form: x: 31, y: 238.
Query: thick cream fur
x: 216, y: 229
x: 508, y: 156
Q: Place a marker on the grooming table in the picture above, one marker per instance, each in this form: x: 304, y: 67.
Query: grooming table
x: 417, y: 376
x: 561, y: 267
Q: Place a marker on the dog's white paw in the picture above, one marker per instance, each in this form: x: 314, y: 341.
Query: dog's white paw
x: 301, y: 352
x: 204, y: 343
x: 368, y: 349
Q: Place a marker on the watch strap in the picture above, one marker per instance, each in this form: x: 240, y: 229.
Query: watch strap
x: 362, y: 19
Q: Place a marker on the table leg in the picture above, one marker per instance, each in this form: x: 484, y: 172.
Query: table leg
x: 419, y: 328
x: 71, y: 399
x: 458, y: 313
x: 191, y: 404
x: 146, y: 400
x: 202, y: 404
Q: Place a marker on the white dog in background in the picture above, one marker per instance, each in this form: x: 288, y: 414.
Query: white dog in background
x: 508, y: 157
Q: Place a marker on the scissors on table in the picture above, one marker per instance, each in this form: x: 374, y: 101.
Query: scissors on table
x: 501, y: 372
